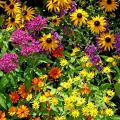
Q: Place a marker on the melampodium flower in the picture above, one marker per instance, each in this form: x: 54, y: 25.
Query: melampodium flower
x: 12, y: 7
x: 109, y: 112
x: 48, y: 43
x: 2, y: 115
x: 35, y: 105
x: 110, y: 92
x: 63, y: 62
x: 75, y: 113
x: 97, y: 24
x: 27, y: 13
x: 109, y: 5
x: 54, y: 101
x: 22, y: 111
x: 55, y: 72
x: 79, y: 17
x: 53, y: 5
x: 12, y: 111
x: 106, y: 41
x: 106, y: 70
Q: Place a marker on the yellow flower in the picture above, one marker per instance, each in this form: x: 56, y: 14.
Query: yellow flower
x: 106, y: 41
x: 91, y: 75
x: 106, y: 99
x: 54, y: 101
x: 68, y: 106
x: 76, y: 49
x: 106, y: 70
x: 109, y: 112
x: 55, y: 21
x: 110, y: 59
x: 59, y: 88
x: 35, y: 105
x: 79, y: 17
x: 42, y: 98
x: 84, y: 59
x: 43, y: 76
x: 85, y: 111
x: 60, y: 118
x: 77, y: 78
x: 66, y: 85
x: 89, y: 64
x: 41, y: 84
x: 63, y: 62
x: 110, y: 92
x: 12, y: 111
x: 29, y: 97
x: 2, y: 2
x: 97, y: 24
x: 83, y: 73
x: 109, y: 5
x: 48, y: 43
x: 93, y: 112
x: 73, y: 98
x: 90, y: 105
x: 75, y: 113
x: 80, y: 101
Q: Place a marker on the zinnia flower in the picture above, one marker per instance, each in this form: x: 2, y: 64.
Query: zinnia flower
x: 2, y: 115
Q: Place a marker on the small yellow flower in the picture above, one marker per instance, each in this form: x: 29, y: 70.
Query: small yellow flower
x: 73, y: 98
x: 75, y: 113
x: 106, y: 99
x: 84, y: 59
x: 114, y: 63
x: 106, y: 70
x: 91, y: 75
x: 42, y: 98
x: 43, y: 76
x: 110, y: 92
x: 76, y: 78
x: 110, y: 59
x: 109, y: 112
x: 76, y: 49
x: 83, y: 73
x: 89, y: 64
x: 90, y: 105
x: 85, y: 111
x: 68, y: 106
x: 63, y: 62
x: 80, y: 101
x: 54, y: 101
x: 12, y: 111
x: 41, y: 84
x: 29, y: 97
x: 59, y: 88
x: 60, y: 118
x: 35, y: 105
x: 93, y: 112
x: 66, y: 85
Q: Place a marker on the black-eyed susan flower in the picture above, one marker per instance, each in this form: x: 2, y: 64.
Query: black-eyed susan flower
x: 79, y: 17
x: 106, y: 41
x: 97, y: 24
x: 108, y: 5
x: 55, y: 21
x: 48, y: 43
x: 2, y: 2
x: 12, y: 7
x: 27, y: 12
x: 14, y: 21
x: 52, y: 5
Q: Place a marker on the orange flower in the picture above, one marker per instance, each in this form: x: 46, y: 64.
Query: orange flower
x: 36, y: 118
x: 85, y: 89
x: 55, y: 72
x: 22, y: 111
x: 36, y: 81
x: 12, y: 111
x: 2, y: 116
x: 22, y: 91
x: 14, y: 97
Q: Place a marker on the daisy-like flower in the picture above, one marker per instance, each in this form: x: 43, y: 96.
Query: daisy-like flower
x: 106, y: 41
x: 52, y: 5
x: 106, y: 69
x: 22, y: 91
x: 48, y: 43
x: 75, y: 113
x: 55, y: 72
x: 12, y: 7
x: 12, y: 111
x: 13, y: 21
x: 2, y: 115
x: 109, y: 112
x: 79, y: 17
x: 27, y: 13
x: 14, y: 97
x: 22, y: 111
x: 97, y: 24
x: 2, y: 2
x: 109, y: 5
x: 55, y: 21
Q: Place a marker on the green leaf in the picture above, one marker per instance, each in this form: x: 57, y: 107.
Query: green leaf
x: 3, y: 82
x: 117, y: 89
x: 105, y: 86
x: 3, y: 101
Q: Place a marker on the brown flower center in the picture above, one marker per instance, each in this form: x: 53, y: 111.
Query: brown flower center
x: 12, y: 19
x: 79, y: 15
x: 49, y: 40
x: 24, y: 12
x: 8, y: 2
x: 96, y: 23
x: 109, y: 1
x: 107, y: 39
x: 11, y: 6
x: 54, y: 20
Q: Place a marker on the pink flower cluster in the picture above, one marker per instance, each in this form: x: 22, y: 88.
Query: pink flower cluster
x: 8, y: 62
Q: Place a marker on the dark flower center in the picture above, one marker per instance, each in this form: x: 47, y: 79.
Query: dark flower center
x: 24, y: 12
x: 109, y: 1
x: 79, y: 15
x: 54, y: 20
x: 107, y: 39
x: 49, y: 40
x: 96, y: 23
x: 8, y: 2
x: 12, y: 19
x: 11, y: 6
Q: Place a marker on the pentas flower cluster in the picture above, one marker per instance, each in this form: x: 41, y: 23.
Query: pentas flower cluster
x: 91, y: 51
x: 36, y: 24
x: 8, y: 62
x: 28, y: 44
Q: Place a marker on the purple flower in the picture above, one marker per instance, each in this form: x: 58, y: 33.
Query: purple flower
x: 73, y: 7
x: 117, y: 43
x: 8, y: 62
x: 55, y: 35
x: 90, y: 49
x: 62, y: 12
x: 95, y: 59
x: 36, y: 24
